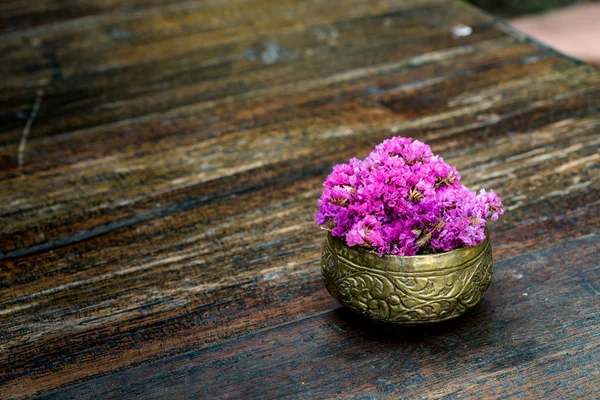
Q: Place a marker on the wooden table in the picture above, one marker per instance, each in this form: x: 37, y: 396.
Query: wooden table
x: 161, y: 162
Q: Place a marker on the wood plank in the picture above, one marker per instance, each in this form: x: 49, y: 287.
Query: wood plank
x: 536, y: 334
x: 207, y: 71
x: 116, y: 183
x: 39, y: 17
x: 135, y: 322
x: 117, y: 297
x: 169, y: 179
x: 138, y: 38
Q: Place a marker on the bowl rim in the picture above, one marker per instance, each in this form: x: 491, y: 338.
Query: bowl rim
x: 364, y: 258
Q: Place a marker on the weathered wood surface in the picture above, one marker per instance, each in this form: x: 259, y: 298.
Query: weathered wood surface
x: 160, y: 164
x: 526, y: 340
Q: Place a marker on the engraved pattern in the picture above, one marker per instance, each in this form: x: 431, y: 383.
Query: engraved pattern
x: 404, y: 297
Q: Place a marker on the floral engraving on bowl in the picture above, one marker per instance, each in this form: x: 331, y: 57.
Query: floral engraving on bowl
x: 405, y: 297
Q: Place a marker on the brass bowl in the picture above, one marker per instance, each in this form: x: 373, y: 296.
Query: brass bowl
x: 407, y: 290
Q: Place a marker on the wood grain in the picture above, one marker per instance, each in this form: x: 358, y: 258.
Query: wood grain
x: 535, y: 335
x: 164, y: 200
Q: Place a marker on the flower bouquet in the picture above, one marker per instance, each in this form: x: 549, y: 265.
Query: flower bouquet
x: 407, y: 242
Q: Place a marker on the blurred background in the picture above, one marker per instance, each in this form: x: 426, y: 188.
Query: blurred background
x: 517, y: 8
x: 569, y: 26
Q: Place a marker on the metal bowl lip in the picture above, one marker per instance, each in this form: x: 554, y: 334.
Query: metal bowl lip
x: 366, y: 258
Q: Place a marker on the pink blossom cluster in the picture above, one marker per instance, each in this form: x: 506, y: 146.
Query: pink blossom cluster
x: 404, y: 200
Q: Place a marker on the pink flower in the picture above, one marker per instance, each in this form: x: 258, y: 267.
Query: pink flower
x: 494, y: 205
x: 365, y: 232
x: 404, y: 200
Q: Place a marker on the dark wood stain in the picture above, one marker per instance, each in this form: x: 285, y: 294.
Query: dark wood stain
x: 527, y: 339
x: 158, y: 238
